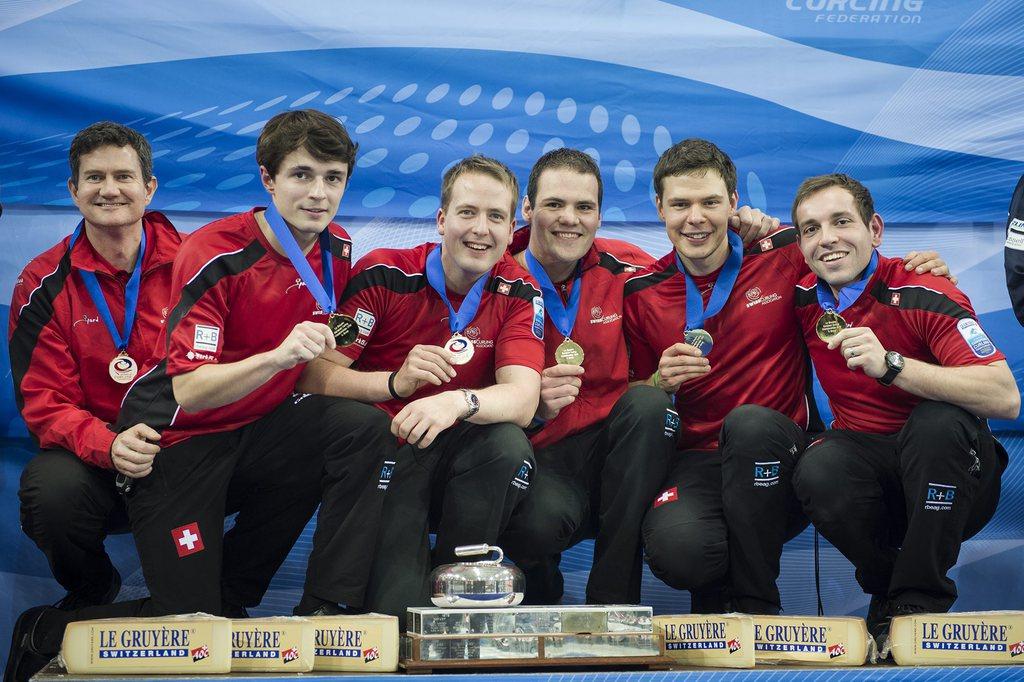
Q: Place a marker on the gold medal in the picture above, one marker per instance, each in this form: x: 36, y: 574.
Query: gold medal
x: 699, y: 339
x: 461, y: 349
x: 830, y: 324
x: 123, y: 369
x: 345, y: 329
x: 569, y: 353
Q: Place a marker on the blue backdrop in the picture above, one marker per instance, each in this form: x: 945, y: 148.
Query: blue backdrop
x: 921, y: 99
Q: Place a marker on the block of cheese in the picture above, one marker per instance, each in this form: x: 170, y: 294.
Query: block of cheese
x: 195, y: 644
x: 366, y: 643
x: 719, y: 641
x: 979, y: 638
x: 272, y: 645
x: 841, y: 641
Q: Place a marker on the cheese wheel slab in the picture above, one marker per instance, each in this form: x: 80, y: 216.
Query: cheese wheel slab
x: 272, y: 645
x: 976, y: 638
x: 717, y: 641
x: 835, y: 641
x: 366, y: 643
x: 195, y: 644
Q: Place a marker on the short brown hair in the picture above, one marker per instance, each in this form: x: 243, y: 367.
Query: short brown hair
x: 861, y: 195
x: 321, y: 135
x: 564, y: 157
x: 694, y: 156
x: 484, y: 165
x: 108, y: 133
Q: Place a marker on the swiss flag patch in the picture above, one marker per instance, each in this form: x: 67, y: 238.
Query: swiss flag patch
x: 504, y: 288
x: 895, y: 298
x: 767, y: 244
x: 670, y: 495
x: 187, y: 539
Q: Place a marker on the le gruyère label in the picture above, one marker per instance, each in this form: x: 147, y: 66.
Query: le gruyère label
x: 366, y: 643
x: 992, y: 637
x: 821, y: 641
x: 197, y: 643
x: 720, y: 641
x: 271, y: 645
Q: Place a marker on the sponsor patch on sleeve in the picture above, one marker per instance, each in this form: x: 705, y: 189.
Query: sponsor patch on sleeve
x: 206, y: 338
x: 538, y: 317
x: 976, y: 337
x: 365, y: 320
x: 1015, y: 235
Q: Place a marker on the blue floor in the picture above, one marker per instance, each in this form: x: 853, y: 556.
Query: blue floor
x: 988, y: 575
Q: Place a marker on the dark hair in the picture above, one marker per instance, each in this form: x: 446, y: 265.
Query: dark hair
x: 861, y: 195
x: 694, y: 156
x: 108, y: 133
x: 484, y: 165
x: 319, y: 134
x: 563, y: 157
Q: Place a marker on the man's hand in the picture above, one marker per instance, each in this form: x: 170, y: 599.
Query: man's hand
x: 680, y: 363
x: 559, y: 386
x: 306, y: 341
x: 752, y: 224
x: 133, y: 450
x: 422, y: 420
x: 424, y: 365
x: 862, y: 350
x: 927, y: 261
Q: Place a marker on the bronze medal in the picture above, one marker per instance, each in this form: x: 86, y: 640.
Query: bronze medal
x: 461, y: 349
x: 699, y: 339
x: 123, y: 368
x: 345, y: 329
x: 829, y: 324
x: 569, y: 353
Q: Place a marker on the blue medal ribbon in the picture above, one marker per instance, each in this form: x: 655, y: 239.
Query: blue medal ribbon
x: 323, y: 292
x: 562, y: 315
x: 849, y: 294
x: 131, y: 294
x: 457, y: 319
x: 696, y: 314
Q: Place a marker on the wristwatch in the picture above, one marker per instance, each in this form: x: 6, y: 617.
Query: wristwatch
x: 472, y: 403
x: 894, y: 365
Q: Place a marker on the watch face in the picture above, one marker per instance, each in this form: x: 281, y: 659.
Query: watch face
x: 894, y: 360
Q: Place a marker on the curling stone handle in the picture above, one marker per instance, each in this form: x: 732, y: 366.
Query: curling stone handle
x: 473, y: 550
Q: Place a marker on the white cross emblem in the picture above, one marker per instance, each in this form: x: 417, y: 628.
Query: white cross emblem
x: 188, y: 540
x: 664, y: 497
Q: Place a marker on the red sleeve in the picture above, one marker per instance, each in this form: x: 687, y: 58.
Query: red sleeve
x: 49, y: 385
x: 643, y: 359
x: 953, y: 332
x: 521, y: 340
x: 197, y: 338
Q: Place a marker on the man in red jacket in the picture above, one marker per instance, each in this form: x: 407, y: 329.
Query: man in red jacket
x: 84, y: 315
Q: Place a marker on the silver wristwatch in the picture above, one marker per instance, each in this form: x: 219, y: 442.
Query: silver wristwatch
x: 472, y: 404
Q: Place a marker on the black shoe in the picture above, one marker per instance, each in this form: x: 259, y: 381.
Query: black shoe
x: 78, y: 599
x: 24, y: 659
x: 233, y: 611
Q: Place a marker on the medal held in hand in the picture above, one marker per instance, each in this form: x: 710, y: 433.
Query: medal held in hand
x: 569, y: 353
x: 459, y: 346
x: 123, y: 369
x: 696, y: 314
x: 344, y: 328
x: 562, y: 314
x: 830, y: 324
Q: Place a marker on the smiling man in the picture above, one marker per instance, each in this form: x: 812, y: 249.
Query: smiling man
x: 85, y: 313
x: 253, y: 301
x: 910, y: 469
x: 447, y: 342
x: 600, y: 454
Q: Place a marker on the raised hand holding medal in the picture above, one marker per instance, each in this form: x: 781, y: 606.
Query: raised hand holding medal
x: 344, y: 327
x: 562, y: 315
x: 694, y: 333
x: 122, y: 368
x: 459, y: 346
